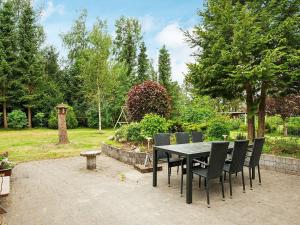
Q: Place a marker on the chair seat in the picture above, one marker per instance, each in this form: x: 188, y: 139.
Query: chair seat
x: 247, y: 163
x: 200, y: 172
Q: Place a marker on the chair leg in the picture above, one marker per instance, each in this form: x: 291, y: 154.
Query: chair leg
x: 169, y: 176
x: 199, y: 181
x: 222, y: 184
x: 250, y: 178
x: 177, y: 169
x: 236, y: 174
x: 207, y: 192
x: 259, y: 177
x: 205, y: 182
x: 224, y: 176
x: 181, y: 183
x: 230, y: 185
x: 243, y: 182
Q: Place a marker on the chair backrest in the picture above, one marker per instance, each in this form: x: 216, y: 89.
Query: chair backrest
x: 162, y: 139
x: 238, y: 155
x: 217, y: 158
x: 182, y: 137
x: 197, y: 136
x: 256, y: 151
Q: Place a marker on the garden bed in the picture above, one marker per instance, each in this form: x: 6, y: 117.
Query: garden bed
x: 125, y: 156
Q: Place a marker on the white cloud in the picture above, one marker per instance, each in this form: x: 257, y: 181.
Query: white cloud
x: 173, y: 38
x: 147, y: 23
x: 51, y: 9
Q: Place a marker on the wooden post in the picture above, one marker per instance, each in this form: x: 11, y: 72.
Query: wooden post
x: 62, y: 124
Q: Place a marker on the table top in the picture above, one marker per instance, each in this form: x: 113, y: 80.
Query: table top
x: 190, y: 148
x: 90, y: 153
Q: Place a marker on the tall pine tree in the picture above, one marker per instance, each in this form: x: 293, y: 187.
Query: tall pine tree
x: 143, y: 65
x: 8, y: 45
x: 29, y: 65
x: 164, y: 67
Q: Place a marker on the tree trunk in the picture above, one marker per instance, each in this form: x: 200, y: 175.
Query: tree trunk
x: 262, y: 112
x: 99, y: 110
x: 285, y: 129
x: 5, y: 125
x: 250, y: 113
x: 29, y: 117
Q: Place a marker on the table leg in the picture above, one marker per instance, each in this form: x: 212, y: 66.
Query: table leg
x: 189, y: 175
x: 154, y: 167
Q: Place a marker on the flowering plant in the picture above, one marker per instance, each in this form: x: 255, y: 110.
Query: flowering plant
x: 5, y: 163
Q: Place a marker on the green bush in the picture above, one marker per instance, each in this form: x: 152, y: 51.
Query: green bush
x: 152, y: 124
x: 134, y: 132
x: 92, y: 118
x: 294, y: 126
x: 175, y: 126
x: 17, y: 119
x: 272, y: 123
x: 218, y: 127
x: 71, y: 119
x: 279, y: 146
x: 121, y: 134
x: 235, y: 124
x: 189, y: 127
x: 39, y: 120
x: 1, y: 119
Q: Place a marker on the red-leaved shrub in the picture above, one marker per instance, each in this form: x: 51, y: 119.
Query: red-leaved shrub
x: 148, y: 97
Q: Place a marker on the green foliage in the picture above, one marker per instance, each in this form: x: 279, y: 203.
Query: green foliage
x: 189, y: 127
x: 164, y: 67
x: 199, y: 110
x: 5, y: 163
x: 17, y: 119
x: 235, y: 124
x: 71, y: 119
x: 152, y: 124
x: 121, y: 134
x: 241, y: 136
x: 148, y: 97
x: 294, y: 126
x: 175, y: 126
x: 126, y: 42
x: 283, y: 146
x: 39, y: 120
x: 143, y: 65
x: 273, y: 123
x: 217, y: 127
x: 134, y: 132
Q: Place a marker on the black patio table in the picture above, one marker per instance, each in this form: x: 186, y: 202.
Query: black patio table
x: 188, y: 151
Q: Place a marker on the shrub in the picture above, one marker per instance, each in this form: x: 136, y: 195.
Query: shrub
x: 294, y: 126
x: 92, y: 118
x: 283, y: 146
x: 1, y: 119
x: 272, y: 123
x: 153, y: 124
x: 174, y: 126
x: 218, y: 127
x: 17, y: 119
x: 134, y: 132
x: 241, y: 136
x: 71, y: 119
x: 235, y: 124
x: 189, y: 127
x: 121, y: 134
x: 148, y: 97
x: 39, y: 120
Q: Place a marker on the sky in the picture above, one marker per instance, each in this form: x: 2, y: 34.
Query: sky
x: 161, y: 20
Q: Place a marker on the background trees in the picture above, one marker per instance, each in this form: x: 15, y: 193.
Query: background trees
x: 245, y: 52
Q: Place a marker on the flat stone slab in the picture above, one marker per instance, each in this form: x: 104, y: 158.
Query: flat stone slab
x: 90, y: 153
x: 146, y: 169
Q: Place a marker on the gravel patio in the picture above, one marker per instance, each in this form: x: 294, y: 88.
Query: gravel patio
x: 63, y: 192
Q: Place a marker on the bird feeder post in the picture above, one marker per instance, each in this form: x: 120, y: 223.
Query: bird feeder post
x: 62, y: 124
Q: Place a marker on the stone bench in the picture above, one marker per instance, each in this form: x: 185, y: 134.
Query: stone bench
x: 90, y: 158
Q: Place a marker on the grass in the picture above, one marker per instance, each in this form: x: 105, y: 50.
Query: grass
x: 38, y: 144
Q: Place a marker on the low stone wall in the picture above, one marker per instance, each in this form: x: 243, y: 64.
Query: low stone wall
x: 270, y: 162
x: 280, y: 164
x: 130, y: 158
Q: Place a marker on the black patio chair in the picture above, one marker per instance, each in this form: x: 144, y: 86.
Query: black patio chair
x: 236, y: 163
x: 213, y: 169
x: 182, y: 137
x: 197, y: 136
x: 253, y: 156
x: 164, y: 139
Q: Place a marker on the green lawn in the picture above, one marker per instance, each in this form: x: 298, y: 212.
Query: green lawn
x: 38, y: 144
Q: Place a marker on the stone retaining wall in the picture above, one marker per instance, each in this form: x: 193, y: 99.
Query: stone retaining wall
x: 130, y: 158
x: 280, y: 164
x: 270, y: 162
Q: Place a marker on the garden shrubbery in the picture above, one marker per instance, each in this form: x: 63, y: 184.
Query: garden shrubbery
x: 218, y: 127
x: 148, y: 97
x: 152, y: 124
x: 71, y: 119
x: 294, y: 126
x: 273, y: 123
x: 39, y: 120
x: 17, y: 119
